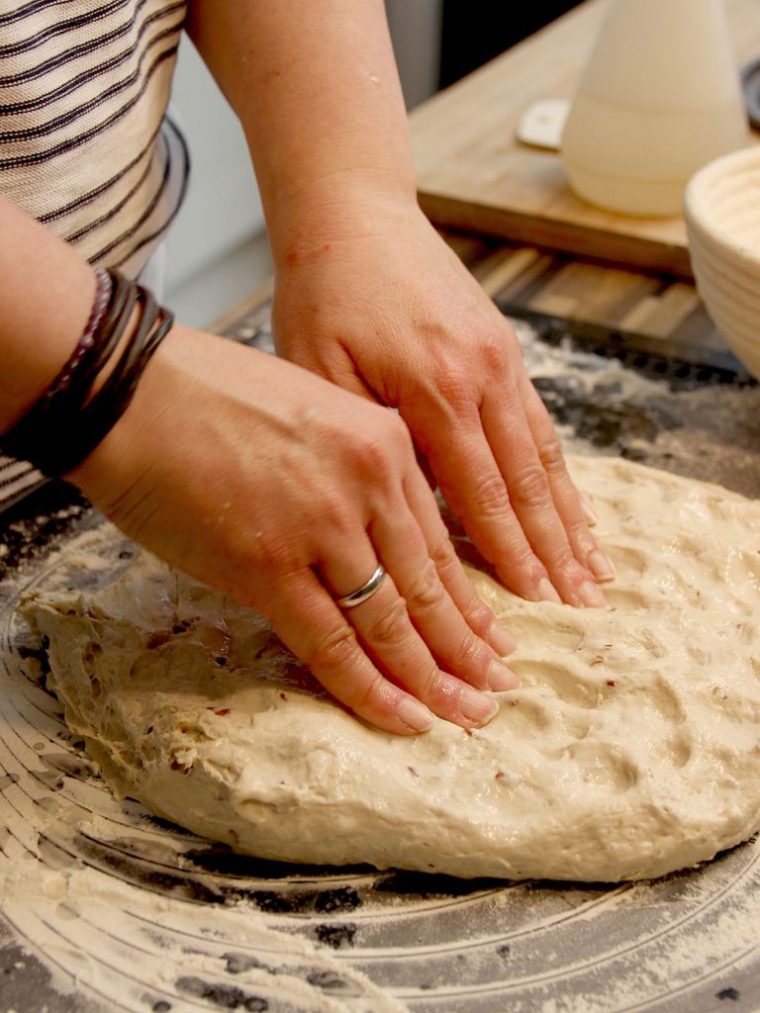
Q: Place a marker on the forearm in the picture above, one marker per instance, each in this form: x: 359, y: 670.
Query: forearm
x: 315, y: 86
x: 45, y: 299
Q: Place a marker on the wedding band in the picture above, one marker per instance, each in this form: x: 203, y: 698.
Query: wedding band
x: 349, y: 601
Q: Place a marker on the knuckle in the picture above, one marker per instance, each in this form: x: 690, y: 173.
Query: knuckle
x: 337, y: 515
x: 426, y: 592
x: 524, y: 558
x: 433, y: 687
x: 472, y: 656
x: 373, y: 696
x: 563, y: 560
x: 530, y: 487
x: 336, y: 650
x: 379, y: 454
x: 552, y: 457
x: 520, y: 561
x: 443, y: 556
x: 574, y: 573
x: 578, y: 533
x: 491, y: 496
x: 390, y: 627
x: 495, y: 351
x: 372, y: 454
x: 398, y: 430
x: 274, y: 551
x: 479, y: 616
x: 454, y: 391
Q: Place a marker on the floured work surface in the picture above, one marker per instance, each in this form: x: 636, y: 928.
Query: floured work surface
x: 104, y: 907
x: 128, y: 912
x: 631, y: 749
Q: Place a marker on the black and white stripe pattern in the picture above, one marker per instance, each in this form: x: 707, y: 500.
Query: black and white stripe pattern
x: 85, y: 146
x: 17, y: 479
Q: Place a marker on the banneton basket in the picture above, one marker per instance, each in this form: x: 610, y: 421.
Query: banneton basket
x: 722, y: 208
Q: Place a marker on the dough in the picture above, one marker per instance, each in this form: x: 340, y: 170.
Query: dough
x: 632, y: 747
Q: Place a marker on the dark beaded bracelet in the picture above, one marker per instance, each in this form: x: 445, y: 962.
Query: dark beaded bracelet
x: 83, y: 364
x: 66, y: 424
x: 96, y: 419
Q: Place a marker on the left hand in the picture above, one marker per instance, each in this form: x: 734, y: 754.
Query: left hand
x: 388, y: 311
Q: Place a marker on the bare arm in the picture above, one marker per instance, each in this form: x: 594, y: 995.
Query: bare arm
x: 314, y: 83
x: 45, y: 299
x: 368, y: 295
x: 208, y: 416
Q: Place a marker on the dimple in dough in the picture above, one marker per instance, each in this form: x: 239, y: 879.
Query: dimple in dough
x: 631, y: 748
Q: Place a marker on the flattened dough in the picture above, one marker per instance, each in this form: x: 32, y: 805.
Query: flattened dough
x: 631, y: 749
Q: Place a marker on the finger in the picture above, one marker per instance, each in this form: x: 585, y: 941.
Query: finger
x: 475, y: 489
x: 569, y: 503
x: 387, y: 633
x: 530, y: 492
x: 440, y: 549
x: 384, y: 627
x: 309, y: 622
x: 452, y: 642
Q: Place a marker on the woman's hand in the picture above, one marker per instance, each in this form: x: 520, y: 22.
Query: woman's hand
x: 274, y: 486
x: 385, y: 309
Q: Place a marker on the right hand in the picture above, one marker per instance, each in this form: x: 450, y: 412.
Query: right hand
x: 277, y: 487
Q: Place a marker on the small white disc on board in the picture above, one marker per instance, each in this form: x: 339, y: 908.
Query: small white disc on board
x: 541, y: 124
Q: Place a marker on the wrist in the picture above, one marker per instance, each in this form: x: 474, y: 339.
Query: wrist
x: 31, y: 367
x: 342, y: 206
x: 119, y: 459
x: 96, y: 384
x: 46, y: 295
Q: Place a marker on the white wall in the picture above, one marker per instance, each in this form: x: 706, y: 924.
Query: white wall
x: 222, y: 209
x: 416, y: 32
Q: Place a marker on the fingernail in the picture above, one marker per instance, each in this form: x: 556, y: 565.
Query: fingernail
x: 501, y: 678
x: 591, y: 595
x: 547, y: 592
x: 414, y: 714
x: 477, y: 707
x: 592, y: 517
x: 499, y: 639
x: 600, y: 565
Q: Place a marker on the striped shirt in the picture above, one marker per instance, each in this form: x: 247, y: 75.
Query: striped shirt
x: 85, y: 143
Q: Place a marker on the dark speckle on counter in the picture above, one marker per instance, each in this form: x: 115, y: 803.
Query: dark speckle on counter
x: 728, y: 993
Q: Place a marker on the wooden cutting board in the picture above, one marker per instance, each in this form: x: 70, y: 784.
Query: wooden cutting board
x: 473, y: 174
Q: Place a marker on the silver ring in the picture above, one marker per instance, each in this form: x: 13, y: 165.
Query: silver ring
x: 349, y: 601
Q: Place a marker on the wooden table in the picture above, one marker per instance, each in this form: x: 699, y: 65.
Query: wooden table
x: 618, y: 283
x: 475, y: 175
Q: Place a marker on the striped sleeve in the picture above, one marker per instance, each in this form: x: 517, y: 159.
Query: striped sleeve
x: 85, y: 145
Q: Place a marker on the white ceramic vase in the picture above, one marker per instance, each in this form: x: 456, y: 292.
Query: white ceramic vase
x: 659, y: 98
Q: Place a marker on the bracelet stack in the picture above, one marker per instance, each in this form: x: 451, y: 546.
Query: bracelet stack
x: 66, y: 424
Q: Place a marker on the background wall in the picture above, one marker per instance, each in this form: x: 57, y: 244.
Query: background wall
x: 222, y: 210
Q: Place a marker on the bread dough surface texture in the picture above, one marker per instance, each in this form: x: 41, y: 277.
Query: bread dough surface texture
x: 631, y: 748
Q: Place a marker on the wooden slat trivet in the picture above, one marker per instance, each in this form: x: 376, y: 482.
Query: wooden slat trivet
x: 610, y: 310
